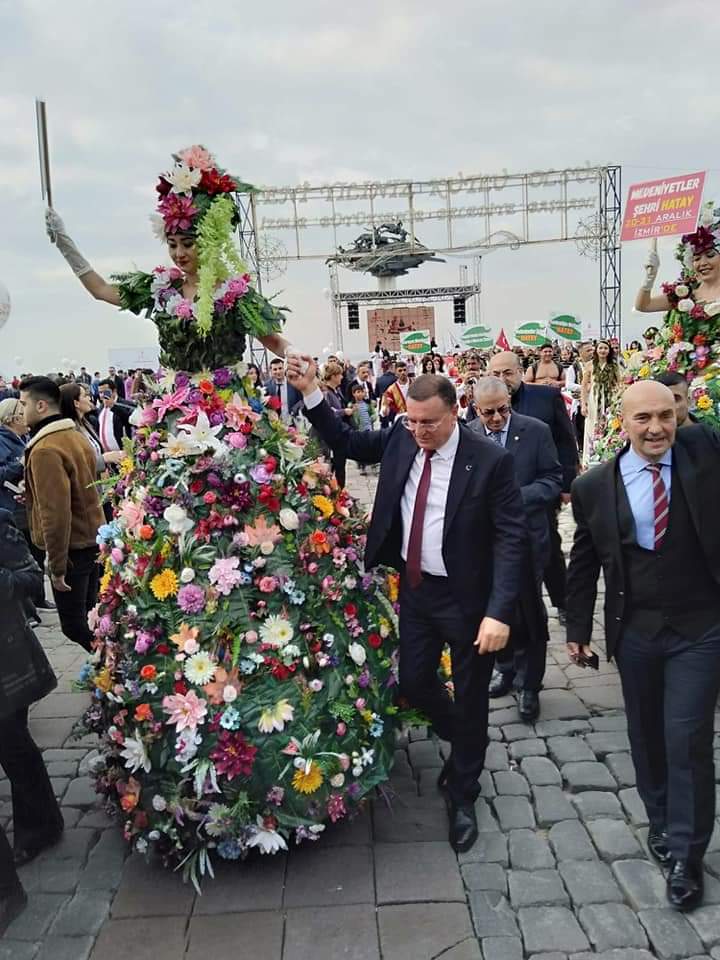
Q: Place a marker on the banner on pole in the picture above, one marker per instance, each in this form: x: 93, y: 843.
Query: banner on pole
x: 566, y: 327
x: 531, y: 334
x: 416, y: 341
x: 663, y: 208
x: 477, y: 338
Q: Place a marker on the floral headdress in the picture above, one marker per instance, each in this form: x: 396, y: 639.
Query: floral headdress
x: 196, y: 200
x: 706, y: 237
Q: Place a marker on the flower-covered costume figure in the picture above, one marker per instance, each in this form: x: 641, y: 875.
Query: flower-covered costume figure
x: 688, y: 342
x: 243, y: 684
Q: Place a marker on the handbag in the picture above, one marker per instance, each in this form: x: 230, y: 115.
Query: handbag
x: 25, y: 671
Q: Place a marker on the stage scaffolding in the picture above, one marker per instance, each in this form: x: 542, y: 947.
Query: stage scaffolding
x: 478, y: 214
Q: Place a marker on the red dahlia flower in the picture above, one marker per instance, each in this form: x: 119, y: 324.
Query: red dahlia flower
x: 212, y: 181
x: 233, y: 756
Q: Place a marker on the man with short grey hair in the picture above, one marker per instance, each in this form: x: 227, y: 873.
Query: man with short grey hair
x: 539, y: 474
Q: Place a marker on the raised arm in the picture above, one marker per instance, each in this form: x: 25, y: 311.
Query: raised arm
x: 645, y: 302
x: 96, y: 285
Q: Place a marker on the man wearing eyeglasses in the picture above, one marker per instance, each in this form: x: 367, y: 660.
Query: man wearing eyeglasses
x: 521, y: 664
x: 448, y: 514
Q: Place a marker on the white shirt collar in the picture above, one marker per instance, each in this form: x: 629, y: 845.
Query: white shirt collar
x: 448, y: 450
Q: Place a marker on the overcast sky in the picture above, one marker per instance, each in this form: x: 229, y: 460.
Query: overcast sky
x: 286, y: 92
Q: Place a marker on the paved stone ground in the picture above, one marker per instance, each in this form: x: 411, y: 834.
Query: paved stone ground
x: 560, y: 869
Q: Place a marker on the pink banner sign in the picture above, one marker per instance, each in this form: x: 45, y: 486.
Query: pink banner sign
x: 663, y: 208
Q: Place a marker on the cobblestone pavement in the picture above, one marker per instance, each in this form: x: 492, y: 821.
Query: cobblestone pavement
x: 560, y: 868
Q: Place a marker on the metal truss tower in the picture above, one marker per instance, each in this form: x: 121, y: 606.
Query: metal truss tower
x: 248, y: 242
x: 610, y: 223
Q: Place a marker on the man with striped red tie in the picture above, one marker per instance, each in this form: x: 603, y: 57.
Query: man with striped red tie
x: 642, y: 518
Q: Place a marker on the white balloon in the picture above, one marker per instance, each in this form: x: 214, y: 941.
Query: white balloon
x: 4, y: 304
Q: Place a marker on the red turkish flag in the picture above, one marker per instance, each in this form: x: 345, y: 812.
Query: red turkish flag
x: 502, y: 341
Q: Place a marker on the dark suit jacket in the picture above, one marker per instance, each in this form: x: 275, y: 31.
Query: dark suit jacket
x: 484, y: 535
x: 384, y: 381
x: 546, y: 404
x: 539, y: 474
x: 696, y: 464
x: 294, y: 396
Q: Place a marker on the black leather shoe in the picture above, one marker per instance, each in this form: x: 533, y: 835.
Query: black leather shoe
x: 23, y: 855
x: 562, y: 616
x: 657, y: 842
x: 46, y: 605
x: 685, y: 886
x: 528, y: 705
x: 11, y: 907
x: 500, y: 684
x: 463, y: 827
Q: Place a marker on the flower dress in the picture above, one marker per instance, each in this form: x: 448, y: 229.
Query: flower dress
x: 599, y: 400
x: 244, y: 680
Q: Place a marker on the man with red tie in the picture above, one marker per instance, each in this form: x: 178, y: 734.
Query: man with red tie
x: 643, y: 519
x: 449, y: 515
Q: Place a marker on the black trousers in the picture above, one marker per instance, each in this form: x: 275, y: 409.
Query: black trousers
x: 36, y: 814
x: 38, y: 556
x: 9, y: 880
x: 73, y: 606
x: 670, y: 684
x: 525, y: 655
x: 430, y: 618
x: 555, y: 571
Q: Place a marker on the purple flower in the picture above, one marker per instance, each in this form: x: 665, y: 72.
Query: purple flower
x: 195, y: 396
x: 216, y: 417
x: 354, y: 790
x: 191, y: 598
x: 181, y: 380
x: 222, y: 378
x: 260, y: 474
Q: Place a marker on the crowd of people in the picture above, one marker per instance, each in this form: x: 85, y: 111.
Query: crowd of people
x: 476, y: 454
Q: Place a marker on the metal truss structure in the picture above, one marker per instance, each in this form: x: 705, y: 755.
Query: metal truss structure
x: 409, y: 296
x: 462, y: 215
x: 610, y: 227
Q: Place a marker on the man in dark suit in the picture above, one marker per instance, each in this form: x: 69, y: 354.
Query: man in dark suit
x: 113, y: 418
x: 278, y: 386
x: 538, y: 471
x: 118, y: 381
x: 643, y: 519
x: 447, y: 514
x: 386, y: 378
x: 546, y: 404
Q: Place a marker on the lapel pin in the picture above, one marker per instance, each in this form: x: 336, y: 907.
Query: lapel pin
x: 516, y: 438
x: 468, y: 467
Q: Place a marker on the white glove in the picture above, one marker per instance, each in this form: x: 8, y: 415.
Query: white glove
x: 59, y: 236
x: 652, y: 265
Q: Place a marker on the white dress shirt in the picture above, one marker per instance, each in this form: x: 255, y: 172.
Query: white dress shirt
x: 639, y: 488
x: 441, y: 464
x: 107, y: 433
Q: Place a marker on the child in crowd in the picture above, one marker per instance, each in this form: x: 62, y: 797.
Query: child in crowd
x: 363, y: 415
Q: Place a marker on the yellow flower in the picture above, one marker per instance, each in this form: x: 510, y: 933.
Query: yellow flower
x: 704, y: 402
x: 166, y: 549
x: 107, y: 575
x: 614, y: 424
x: 103, y: 680
x: 308, y: 781
x: 325, y: 506
x: 393, y: 582
x: 446, y: 663
x: 126, y: 466
x: 644, y: 371
x: 164, y: 585
x: 367, y: 716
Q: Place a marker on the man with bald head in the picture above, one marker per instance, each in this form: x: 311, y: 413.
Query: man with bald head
x: 546, y: 404
x: 641, y: 519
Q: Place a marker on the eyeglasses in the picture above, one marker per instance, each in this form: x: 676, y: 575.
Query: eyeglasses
x: 491, y: 411
x: 430, y: 426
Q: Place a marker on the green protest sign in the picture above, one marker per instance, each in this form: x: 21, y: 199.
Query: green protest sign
x: 416, y: 341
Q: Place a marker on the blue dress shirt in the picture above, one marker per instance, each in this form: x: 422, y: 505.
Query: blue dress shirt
x: 639, y: 488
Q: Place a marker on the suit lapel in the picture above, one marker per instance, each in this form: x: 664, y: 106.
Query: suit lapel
x: 686, y: 475
x: 514, y: 435
x: 462, y: 471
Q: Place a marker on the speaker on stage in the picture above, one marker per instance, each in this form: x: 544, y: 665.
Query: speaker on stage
x: 353, y: 316
x: 458, y: 309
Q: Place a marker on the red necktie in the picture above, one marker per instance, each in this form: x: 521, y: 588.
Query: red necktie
x: 660, y: 503
x: 413, y: 566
